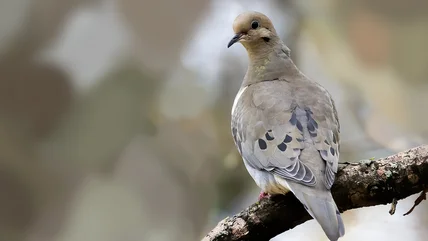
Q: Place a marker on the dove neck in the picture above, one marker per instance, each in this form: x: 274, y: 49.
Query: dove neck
x: 273, y: 63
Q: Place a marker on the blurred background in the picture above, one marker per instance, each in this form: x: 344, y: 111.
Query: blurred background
x: 115, y: 114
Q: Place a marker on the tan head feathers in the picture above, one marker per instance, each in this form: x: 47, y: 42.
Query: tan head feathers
x: 252, y: 27
x: 243, y: 22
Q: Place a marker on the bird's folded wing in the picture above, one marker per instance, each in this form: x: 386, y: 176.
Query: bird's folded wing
x: 273, y: 129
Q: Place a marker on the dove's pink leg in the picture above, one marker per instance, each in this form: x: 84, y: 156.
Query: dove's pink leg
x: 263, y: 195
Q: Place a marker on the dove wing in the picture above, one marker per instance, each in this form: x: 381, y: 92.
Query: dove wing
x: 272, y: 125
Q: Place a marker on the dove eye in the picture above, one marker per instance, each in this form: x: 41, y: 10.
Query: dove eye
x: 254, y: 24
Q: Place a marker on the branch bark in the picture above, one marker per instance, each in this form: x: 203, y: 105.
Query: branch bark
x: 362, y: 184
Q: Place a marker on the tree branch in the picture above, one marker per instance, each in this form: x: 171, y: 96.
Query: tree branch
x: 362, y: 184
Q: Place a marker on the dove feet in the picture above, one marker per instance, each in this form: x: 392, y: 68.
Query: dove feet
x: 263, y: 195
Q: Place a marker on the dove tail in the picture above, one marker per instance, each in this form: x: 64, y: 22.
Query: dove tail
x: 326, y: 213
x: 321, y: 207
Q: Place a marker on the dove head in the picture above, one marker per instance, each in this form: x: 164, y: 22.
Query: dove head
x: 253, y: 30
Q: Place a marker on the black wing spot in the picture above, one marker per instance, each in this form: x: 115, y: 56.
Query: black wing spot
x: 311, y: 127
x: 326, y: 142
x: 332, y: 151
x: 309, y: 114
x: 268, y: 136
x: 282, y: 147
x: 293, y: 119
x: 299, y: 126
x: 287, y: 139
x: 312, y: 124
x: 312, y: 121
x: 262, y: 144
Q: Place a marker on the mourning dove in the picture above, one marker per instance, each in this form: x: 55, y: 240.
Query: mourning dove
x: 285, y: 125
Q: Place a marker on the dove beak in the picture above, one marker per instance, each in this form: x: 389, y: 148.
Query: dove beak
x: 235, y: 39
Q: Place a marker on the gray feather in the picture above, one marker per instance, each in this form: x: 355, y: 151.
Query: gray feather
x: 322, y: 208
